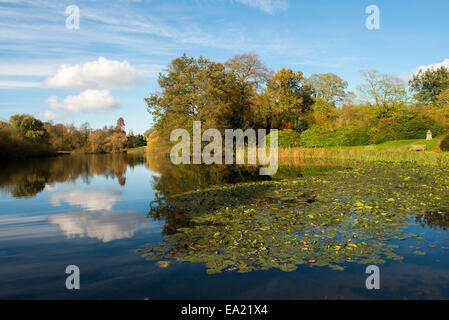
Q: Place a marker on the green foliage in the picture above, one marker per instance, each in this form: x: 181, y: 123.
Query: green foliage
x: 14, y: 145
x: 139, y: 141
x: 241, y: 93
x: 287, y: 139
x: 30, y: 128
x: 287, y: 97
x: 386, y: 92
x: 299, y: 124
x: 198, y: 89
x: 328, y: 86
x: 25, y: 136
x: 315, y: 137
x: 445, y: 144
x: 428, y: 85
x: 406, y: 126
x: 318, y: 137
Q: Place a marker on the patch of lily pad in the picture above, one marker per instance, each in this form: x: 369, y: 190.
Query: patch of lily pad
x: 348, y: 216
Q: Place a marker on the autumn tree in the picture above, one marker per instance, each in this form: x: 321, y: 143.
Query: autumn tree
x: 97, y: 141
x: 248, y: 76
x: 30, y: 128
x: 287, y: 97
x: 119, y: 127
x: 328, y: 86
x: 386, y: 92
x: 192, y: 90
x: 115, y: 142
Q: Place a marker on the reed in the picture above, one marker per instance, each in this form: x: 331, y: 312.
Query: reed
x: 440, y: 159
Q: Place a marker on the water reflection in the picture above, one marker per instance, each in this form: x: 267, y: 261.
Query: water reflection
x: 88, y: 199
x: 227, y: 218
x: 346, y: 216
x: 103, y: 225
x: 27, y: 178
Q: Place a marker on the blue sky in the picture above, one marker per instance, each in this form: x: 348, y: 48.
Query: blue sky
x: 137, y: 39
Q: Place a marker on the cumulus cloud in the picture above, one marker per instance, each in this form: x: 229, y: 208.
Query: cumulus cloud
x: 87, y: 100
x: 103, y: 225
x: 88, y: 199
x: 98, y: 74
x: 409, y: 76
x: 47, y: 115
x: 268, y: 6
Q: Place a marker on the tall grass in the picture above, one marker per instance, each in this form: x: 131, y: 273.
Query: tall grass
x: 440, y: 159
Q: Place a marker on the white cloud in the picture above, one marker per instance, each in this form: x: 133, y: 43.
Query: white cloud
x: 98, y: 74
x: 14, y: 84
x: 47, y: 115
x: 268, y: 6
x: 103, y: 225
x: 88, y: 199
x: 20, y: 68
x: 87, y: 100
x: 409, y: 76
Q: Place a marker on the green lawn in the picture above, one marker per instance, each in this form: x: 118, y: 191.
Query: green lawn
x: 400, y: 144
x: 407, y: 143
x: 136, y: 150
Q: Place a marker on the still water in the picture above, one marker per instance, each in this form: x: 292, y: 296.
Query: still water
x: 120, y: 219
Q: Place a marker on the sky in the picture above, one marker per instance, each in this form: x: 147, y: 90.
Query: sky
x: 105, y: 68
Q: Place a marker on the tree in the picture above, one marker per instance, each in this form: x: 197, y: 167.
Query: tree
x: 249, y: 70
x: 386, y: 92
x: 328, y: 86
x: 192, y: 90
x: 430, y: 84
x: 443, y: 100
x: 59, y: 136
x: 322, y: 113
x: 120, y: 125
x: 139, y: 141
x: 116, y: 142
x: 97, y: 141
x: 287, y: 97
x: 248, y: 75
x: 30, y: 128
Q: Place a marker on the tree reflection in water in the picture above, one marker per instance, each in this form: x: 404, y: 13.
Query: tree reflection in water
x: 29, y: 177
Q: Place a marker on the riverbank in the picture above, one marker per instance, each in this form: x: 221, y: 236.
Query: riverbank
x: 440, y: 159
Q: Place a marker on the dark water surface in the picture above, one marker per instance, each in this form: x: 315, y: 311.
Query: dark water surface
x: 108, y: 213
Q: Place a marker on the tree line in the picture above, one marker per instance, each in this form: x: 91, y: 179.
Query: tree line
x: 25, y: 136
x: 315, y: 111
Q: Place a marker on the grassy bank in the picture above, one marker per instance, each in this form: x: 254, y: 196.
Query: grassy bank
x: 440, y: 159
x: 136, y: 150
x: 403, y: 145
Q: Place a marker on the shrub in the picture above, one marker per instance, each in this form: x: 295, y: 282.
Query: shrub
x: 411, y: 126
x: 407, y: 126
x: 351, y: 136
x: 318, y: 137
x: 287, y: 139
x: 445, y: 144
x: 13, y: 145
x: 299, y: 124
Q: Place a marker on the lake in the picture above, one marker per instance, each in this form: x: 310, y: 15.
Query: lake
x: 139, y: 227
